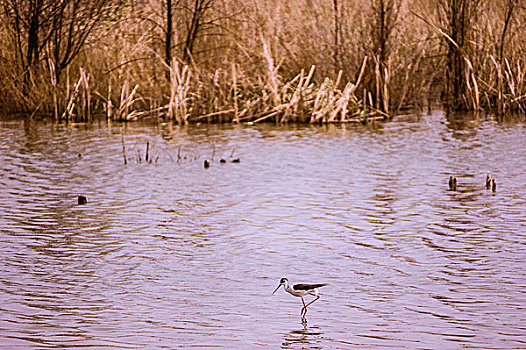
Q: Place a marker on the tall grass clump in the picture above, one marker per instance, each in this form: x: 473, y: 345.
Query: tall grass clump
x: 238, y: 61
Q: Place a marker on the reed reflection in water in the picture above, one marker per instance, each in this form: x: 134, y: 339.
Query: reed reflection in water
x: 168, y: 254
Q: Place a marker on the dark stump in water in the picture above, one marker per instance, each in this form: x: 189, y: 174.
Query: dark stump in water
x: 207, y: 164
x: 452, y: 183
x: 222, y: 161
x: 235, y: 160
x: 82, y: 200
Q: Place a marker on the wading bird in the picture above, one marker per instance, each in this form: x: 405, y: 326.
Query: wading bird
x: 301, y: 290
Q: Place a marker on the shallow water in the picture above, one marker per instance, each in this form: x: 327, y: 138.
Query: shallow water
x: 168, y: 254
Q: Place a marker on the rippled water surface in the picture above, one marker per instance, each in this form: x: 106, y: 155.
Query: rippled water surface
x: 169, y: 254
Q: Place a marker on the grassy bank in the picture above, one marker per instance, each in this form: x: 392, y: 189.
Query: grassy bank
x: 233, y: 61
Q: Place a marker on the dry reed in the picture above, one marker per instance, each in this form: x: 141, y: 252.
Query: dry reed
x: 299, y: 60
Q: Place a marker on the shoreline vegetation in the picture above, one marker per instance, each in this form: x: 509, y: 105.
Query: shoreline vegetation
x: 235, y: 61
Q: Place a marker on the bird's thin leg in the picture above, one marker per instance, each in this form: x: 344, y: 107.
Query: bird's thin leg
x: 317, y: 297
x: 304, y: 308
x: 304, y: 314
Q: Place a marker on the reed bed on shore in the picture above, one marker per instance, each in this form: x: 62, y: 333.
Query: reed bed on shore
x: 298, y: 61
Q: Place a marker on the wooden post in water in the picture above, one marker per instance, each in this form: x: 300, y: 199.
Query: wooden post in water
x: 147, y: 150
x: 123, y: 149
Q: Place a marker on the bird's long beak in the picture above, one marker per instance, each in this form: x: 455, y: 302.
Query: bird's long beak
x: 276, y: 289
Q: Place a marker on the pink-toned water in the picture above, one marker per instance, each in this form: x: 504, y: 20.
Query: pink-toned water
x: 172, y: 255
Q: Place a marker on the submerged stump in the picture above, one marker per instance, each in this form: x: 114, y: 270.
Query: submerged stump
x: 452, y: 183
x: 82, y: 200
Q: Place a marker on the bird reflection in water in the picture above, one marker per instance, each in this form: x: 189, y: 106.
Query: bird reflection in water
x: 304, y: 338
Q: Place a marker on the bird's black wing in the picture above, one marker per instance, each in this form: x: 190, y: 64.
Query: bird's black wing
x: 304, y: 286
